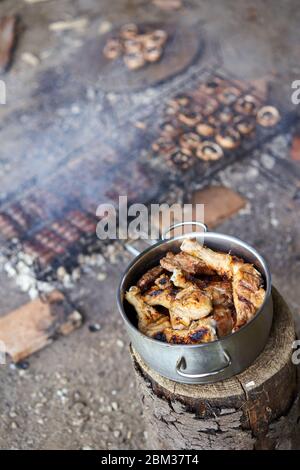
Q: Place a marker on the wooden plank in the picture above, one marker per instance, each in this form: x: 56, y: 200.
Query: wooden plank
x: 219, y: 202
x: 36, y: 324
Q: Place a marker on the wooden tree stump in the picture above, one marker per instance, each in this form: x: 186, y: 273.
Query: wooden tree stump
x: 257, y: 409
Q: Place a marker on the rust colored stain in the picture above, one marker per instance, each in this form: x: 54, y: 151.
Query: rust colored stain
x: 7, y: 40
x: 295, y: 148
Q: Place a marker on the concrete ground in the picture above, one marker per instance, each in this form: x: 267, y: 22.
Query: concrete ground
x: 79, y: 392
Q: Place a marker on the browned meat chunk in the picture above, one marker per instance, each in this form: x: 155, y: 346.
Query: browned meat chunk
x: 221, y: 292
x: 185, y: 305
x: 163, y: 282
x: 149, y: 277
x: 185, y: 262
x: 224, y: 320
x: 200, y: 331
x: 190, y: 310
x: 248, y: 293
x: 219, y: 262
x: 150, y: 321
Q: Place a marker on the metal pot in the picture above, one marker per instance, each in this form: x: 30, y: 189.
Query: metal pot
x: 207, y: 362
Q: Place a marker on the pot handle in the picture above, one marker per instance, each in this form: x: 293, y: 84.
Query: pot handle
x: 135, y: 251
x: 181, y: 365
x: 181, y: 224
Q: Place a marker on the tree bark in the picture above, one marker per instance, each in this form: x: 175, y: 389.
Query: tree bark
x: 257, y: 409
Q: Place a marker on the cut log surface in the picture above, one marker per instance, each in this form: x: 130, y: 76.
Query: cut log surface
x: 257, y: 409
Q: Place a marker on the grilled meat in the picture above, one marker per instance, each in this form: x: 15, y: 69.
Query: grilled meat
x: 186, y: 263
x: 185, y: 305
x: 223, y: 316
x: 179, y: 279
x: 248, y: 293
x: 149, y: 277
x: 219, y: 262
x: 157, y: 329
x: 157, y: 325
x: 221, y: 295
x: 200, y: 331
x: 150, y: 321
x: 220, y: 290
x: 163, y: 282
x: 208, y: 296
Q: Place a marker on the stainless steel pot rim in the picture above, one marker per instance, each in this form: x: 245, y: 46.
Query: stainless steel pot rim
x: 182, y: 237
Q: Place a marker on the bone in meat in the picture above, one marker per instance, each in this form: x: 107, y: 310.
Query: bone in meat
x: 184, y: 305
x: 150, y: 321
x: 186, y: 263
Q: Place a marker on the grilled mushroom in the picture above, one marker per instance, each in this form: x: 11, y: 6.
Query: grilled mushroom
x: 134, y: 60
x: 268, y: 116
x: 206, y: 130
x: 247, y: 104
x: 152, y: 53
x: 189, y: 118
x: 189, y: 142
x: 225, y: 115
x: 169, y: 129
x: 205, y: 104
x: 228, y: 138
x: 129, y: 31
x: 212, y: 86
x: 163, y: 145
x: 133, y: 45
x: 179, y: 102
x: 244, y: 125
x: 229, y: 95
x: 112, y: 49
x: 209, y: 151
x: 182, y: 159
x: 158, y: 38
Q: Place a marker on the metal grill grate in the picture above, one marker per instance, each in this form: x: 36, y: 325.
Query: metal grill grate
x: 55, y: 220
